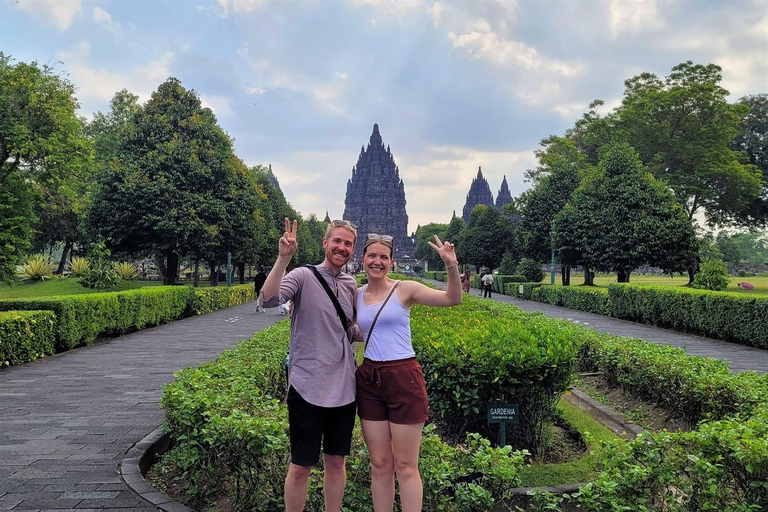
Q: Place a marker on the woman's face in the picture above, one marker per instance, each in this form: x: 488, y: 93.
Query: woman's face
x: 377, y: 259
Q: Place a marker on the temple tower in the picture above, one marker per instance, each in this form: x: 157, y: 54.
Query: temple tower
x: 504, y: 196
x: 479, y: 193
x: 375, y: 199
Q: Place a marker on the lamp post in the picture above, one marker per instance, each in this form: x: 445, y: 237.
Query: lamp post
x: 552, y: 245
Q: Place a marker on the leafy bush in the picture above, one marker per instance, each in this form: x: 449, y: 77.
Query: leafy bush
x: 101, y: 274
x: 500, y: 282
x: 25, y: 336
x: 79, y: 267
x: 508, y: 264
x: 531, y: 269
x: 37, y: 268
x: 126, y: 270
x: 713, y: 276
x: 592, y: 300
x: 210, y: 299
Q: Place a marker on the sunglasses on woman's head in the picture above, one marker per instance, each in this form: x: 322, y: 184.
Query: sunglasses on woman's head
x: 383, y: 238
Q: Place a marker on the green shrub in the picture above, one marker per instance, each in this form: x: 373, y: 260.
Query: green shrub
x: 126, y: 270
x: 25, y: 336
x: 531, y: 269
x: 713, y: 276
x: 79, y: 266
x: 592, y: 300
x: 37, y: 268
x: 508, y: 264
x: 101, y: 273
x: 210, y: 299
x: 500, y: 282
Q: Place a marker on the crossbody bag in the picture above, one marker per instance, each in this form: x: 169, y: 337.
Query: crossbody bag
x: 342, y: 316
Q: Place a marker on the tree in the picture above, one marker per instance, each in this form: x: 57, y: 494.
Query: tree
x: 16, y: 216
x: 728, y: 248
x: 40, y: 134
x: 621, y: 218
x: 752, y: 140
x: 423, y: 251
x: 488, y: 236
x: 560, y: 171
x: 682, y: 127
x: 167, y: 192
x: 713, y: 276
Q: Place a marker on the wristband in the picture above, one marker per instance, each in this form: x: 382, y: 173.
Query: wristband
x: 451, y: 267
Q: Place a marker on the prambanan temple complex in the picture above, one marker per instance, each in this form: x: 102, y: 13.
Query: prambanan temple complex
x: 375, y: 198
x: 480, y: 193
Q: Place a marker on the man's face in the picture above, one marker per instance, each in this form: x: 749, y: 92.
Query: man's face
x: 339, y: 246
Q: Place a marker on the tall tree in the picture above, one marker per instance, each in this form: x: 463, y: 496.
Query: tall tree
x: 622, y: 217
x: 455, y: 229
x: 16, y: 217
x: 167, y: 191
x: 40, y: 134
x: 752, y: 139
x: 682, y: 127
x: 488, y: 236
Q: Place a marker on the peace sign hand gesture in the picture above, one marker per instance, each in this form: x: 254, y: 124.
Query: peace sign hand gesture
x: 287, y: 245
x: 446, y: 250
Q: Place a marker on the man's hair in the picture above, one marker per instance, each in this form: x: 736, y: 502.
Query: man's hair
x: 340, y: 224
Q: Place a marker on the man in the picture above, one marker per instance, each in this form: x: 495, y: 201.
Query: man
x: 321, y: 373
x: 487, y: 280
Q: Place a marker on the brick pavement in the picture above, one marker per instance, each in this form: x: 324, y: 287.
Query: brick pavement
x: 66, y: 421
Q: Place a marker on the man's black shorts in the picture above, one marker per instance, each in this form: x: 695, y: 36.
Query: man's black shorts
x: 310, y: 424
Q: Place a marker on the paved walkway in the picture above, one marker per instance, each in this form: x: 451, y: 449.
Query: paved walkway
x: 742, y: 358
x: 66, y: 421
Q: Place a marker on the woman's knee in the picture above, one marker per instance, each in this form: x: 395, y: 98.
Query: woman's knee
x: 382, y: 464
x: 406, y: 468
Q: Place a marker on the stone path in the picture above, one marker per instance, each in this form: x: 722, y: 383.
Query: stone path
x: 66, y: 421
x: 742, y: 358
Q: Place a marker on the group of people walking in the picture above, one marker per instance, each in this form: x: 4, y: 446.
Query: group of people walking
x: 326, y: 388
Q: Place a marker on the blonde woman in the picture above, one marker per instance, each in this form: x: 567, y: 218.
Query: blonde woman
x: 391, y: 392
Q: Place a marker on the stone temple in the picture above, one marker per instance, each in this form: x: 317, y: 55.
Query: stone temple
x: 375, y: 199
x: 479, y: 193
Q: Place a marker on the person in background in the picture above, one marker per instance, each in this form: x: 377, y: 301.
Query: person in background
x: 487, y: 280
x: 466, y: 280
x: 321, y: 368
x: 258, y: 283
x: 391, y: 391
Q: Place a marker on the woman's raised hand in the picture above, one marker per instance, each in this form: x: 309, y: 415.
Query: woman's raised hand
x: 287, y: 245
x: 445, y: 250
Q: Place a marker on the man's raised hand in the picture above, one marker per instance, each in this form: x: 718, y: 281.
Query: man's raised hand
x: 288, y: 245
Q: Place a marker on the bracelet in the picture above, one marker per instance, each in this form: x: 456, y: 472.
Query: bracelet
x: 451, y: 267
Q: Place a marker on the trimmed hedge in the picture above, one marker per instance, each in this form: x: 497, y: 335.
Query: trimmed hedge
x: 25, y: 336
x: 723, y: 315
x: 500, y: 282
x: 592, y: 300
x: 82, y: 318
x: 513, y: 289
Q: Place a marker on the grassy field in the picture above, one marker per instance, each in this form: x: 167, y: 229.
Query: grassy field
x: 65, y: 286
x: 760, y: 283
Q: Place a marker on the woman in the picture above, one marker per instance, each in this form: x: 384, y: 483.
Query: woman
x: 391, y: 393
x: 466, y: 281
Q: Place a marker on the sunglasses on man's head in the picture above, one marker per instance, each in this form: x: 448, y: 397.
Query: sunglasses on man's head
x: 339, y: 223
x: 383, y: 238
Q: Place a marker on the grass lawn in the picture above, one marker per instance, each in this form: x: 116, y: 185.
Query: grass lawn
x: 760, y: 283
x: 67, y: 286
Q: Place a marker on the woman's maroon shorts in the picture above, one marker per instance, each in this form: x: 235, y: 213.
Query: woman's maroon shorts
x: 392, y: 391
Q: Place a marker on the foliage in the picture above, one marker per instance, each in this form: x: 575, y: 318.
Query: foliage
x: 713, y: 276
x: 79, y: 266
x: 40, y: 132
x: 728, y: 248
x: 589, y: 299
x: 488, y: 236
x: 621, y: 218
x: 210, y: 299
x: 424, y: 234
x: 455, y: 230
x: 16, y: 217
x: 682, y: 126
x: 25, y: 336
x: 531, y: 269
x: 508, y: 264
x: 752, y: 139
x: 37, y: 268
x: 126, y: 270
x: 101, y: 272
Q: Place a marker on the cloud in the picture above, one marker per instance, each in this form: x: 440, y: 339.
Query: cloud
x: 255, y: 90
x: 59, y: 12
x: 105, y: 22
x: 221, y: 105
x: 241, y: 5
x: 634, y: 16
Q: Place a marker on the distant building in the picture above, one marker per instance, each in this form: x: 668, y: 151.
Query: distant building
x: 375, y: 199
x: 273, y: 179
x: 479, y: 193
x: 503, y: 197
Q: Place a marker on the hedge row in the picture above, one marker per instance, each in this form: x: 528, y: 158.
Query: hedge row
x: 79, y: 319
x: 25, y: 336
x: 229, y: 428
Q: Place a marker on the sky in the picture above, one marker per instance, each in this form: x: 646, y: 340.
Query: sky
x: 453, y: 85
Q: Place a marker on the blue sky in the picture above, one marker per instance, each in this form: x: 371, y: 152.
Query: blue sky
x: 453, y: 85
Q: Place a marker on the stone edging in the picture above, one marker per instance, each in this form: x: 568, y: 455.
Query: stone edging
x: 143, y: 454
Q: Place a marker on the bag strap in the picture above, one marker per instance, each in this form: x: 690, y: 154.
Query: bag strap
x: 335, y: 301
x: 378, y: 313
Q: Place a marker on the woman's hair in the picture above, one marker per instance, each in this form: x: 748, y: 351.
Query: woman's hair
x: 385, y: 243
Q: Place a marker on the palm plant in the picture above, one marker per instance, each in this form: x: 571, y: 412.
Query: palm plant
x: 79, y: 266
x: 37, y: 268
x: 126, y: 270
